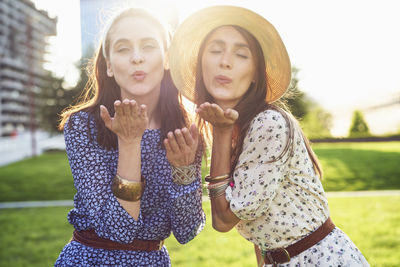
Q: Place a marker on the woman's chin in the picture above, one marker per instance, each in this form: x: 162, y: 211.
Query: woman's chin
x: 221, y: 95
x: 138, y: 90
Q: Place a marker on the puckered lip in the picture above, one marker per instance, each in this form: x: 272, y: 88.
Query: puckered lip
x: 138, y: 72
x: 222, y: 79
x: 139, y: 75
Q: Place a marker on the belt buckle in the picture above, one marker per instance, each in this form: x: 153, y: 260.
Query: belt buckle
x: 271, y: 258
x: 286, y: 254
x: 160, y: 246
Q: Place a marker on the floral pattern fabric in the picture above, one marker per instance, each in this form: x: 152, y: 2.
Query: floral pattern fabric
x: 282, y: 201
x: 165, y: 206
x: 336, y: 249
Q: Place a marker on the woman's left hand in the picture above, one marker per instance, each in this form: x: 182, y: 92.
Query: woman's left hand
x: 181, y: 146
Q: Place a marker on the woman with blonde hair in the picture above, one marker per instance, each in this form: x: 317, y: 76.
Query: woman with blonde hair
x: 136, y: 171
x: 264, y: 177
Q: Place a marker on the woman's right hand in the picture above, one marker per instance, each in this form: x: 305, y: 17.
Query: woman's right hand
x: 219, y: 118
x: 129, y: 121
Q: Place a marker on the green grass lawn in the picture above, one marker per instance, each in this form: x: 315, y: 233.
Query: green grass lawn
x: 35, y: 237
x: 45, y: 177
x: 373, y: 223
x: 360, y: 166
x: 347, y: 167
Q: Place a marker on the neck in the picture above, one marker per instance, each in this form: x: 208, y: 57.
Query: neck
x: 151, y: 101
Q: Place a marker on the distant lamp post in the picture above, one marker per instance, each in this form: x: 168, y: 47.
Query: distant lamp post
x: 31, y: 66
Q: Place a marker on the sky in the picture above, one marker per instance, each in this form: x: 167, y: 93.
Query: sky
x: 347, y: 51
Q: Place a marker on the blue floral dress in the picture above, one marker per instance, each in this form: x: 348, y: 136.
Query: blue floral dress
x: 165, y: 206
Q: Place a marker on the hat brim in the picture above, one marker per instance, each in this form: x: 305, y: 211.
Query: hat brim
x: 189, y: 36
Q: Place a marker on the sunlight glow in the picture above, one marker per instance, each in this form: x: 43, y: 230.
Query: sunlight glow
x: 346, y: 51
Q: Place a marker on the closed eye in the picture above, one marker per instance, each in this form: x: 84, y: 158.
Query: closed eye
x: 122, y: 49
x: 149, y: 44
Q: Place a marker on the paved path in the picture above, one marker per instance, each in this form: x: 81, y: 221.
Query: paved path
x: 69, y: 203
x: 36, y: 204
x: 376, y: 193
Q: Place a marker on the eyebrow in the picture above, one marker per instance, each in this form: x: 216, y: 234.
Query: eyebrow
x: 220, y: 42
x: 124, y: 40
x: 148, y: 39
x: 121, y: 41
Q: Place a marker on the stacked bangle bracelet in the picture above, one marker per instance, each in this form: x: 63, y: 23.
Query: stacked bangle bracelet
x: 217, y: 185
x: 127, y: 190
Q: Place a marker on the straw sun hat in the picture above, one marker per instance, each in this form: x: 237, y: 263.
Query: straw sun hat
x: 190, y: 34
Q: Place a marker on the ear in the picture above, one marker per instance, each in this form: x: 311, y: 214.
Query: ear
x: 110, y: 73
x: 166, y: 61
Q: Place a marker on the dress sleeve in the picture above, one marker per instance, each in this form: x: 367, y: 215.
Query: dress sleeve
x: 256, y: 178
x: 187, y: 215
x: 91, y: 167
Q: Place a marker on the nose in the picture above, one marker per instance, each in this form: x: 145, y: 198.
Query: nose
x: 137, y: 57
x: 226, y: 62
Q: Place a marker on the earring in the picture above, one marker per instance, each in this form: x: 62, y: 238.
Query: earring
x: 109, y: 73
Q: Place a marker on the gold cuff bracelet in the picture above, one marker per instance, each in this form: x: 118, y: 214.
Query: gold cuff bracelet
x: 216, y: 179
x: 127, y: 190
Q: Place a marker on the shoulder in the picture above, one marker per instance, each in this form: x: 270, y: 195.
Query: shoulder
x: 79, y: 117
x: 268, y: 121
x: 267, y: 137
x: 81, y: 122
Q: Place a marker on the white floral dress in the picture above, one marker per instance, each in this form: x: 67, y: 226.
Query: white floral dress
x: 284, y: 201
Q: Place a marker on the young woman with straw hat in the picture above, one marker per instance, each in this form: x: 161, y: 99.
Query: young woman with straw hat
x: 264, y: 177
x: 132, y: 192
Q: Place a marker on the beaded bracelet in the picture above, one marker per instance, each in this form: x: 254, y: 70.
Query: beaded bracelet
x: 218, y: 191
x: 127, y: 190
x: 215, y: 185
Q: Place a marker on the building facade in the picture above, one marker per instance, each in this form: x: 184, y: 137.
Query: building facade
x: 23, y: 34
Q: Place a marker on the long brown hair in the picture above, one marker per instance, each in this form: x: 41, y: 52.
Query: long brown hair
x: 103, y: 90
x: 252, y: 103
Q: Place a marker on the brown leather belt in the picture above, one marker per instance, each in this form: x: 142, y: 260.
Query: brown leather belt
x: 282, y: 255
x: 91, y: 239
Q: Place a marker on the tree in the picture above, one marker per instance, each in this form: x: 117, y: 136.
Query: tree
x: 315, y: 121
x: 359, y: 127
x: 295, y: 99
x: 54, y: 97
